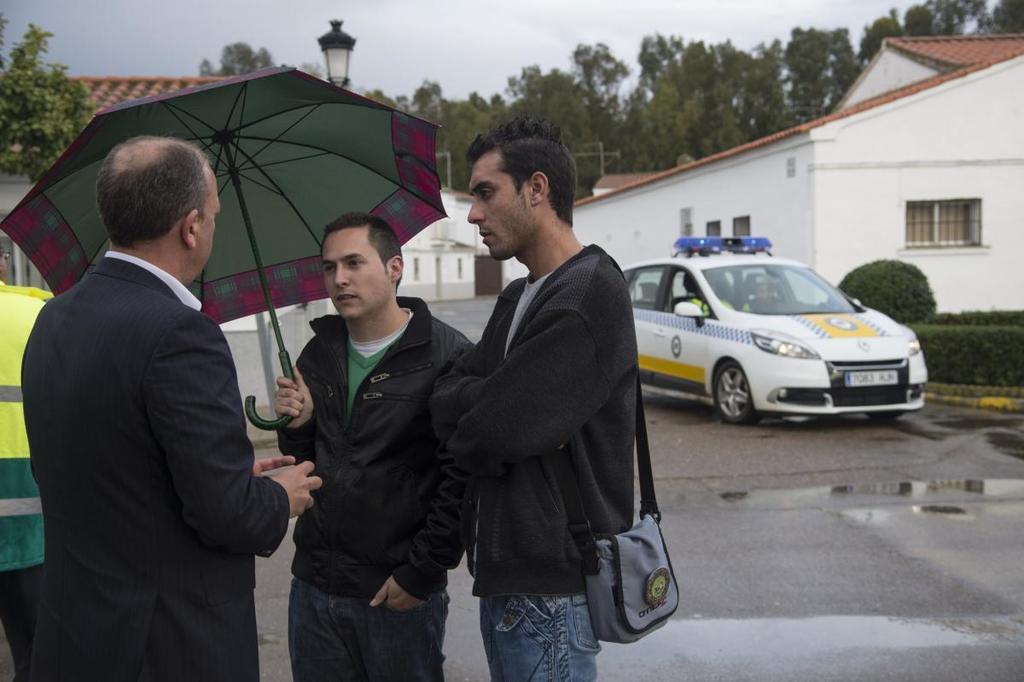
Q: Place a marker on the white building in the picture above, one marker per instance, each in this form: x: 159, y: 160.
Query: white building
x: 440, y: 261
x: 923, y: 162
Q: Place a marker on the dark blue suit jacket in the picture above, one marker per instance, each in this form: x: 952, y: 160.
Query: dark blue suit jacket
x: 151, y: 511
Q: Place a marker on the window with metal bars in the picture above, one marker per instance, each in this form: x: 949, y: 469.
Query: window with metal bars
x: 955, y: 222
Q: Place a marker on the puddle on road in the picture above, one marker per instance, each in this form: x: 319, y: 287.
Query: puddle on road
x: 995, y: 487
x: 1007, y: 442
x: 782, y: 638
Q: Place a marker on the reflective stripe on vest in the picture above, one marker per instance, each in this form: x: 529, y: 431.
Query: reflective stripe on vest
x: 10, y: 394
x: 23, y: 506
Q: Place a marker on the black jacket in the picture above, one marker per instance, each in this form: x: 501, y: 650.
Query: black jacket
x: 569, y: 379
x: 390, y: 499
x: 152, y: 513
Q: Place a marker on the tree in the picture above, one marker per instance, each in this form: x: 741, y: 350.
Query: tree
x: 427, y: 101
x: 656, y: 54
x: 41, y: 109
x: 237, y: 59
x: 1008, y: 17
x: 882, y: 28
x: 820, y: 68
x: 918, y: 20
x: 955, y: 17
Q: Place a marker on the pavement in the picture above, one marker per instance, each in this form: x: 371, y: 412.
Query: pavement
x: 806, y: 549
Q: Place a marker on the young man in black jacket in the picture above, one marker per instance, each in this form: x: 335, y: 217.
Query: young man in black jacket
x: 372, y: 553
x: 553, y: 380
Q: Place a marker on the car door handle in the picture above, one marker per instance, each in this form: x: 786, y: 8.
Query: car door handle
x: 659, y: 332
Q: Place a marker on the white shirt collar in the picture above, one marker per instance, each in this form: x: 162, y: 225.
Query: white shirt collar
x: 179, y: 289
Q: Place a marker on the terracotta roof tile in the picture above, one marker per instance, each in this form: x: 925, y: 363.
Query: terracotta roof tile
x: 616, y: 180
x: 877, y: 101
x: 110, y: 90
x: 961, y: 50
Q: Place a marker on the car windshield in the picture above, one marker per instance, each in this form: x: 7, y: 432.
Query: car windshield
x: 774, y: 289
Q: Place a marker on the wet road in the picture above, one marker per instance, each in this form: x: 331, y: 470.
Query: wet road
x: 827, y: 549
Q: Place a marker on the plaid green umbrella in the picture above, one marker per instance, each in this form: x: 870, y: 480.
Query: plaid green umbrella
x: 291, y: 152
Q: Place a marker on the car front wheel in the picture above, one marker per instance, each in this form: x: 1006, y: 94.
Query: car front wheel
x: 733, y: 402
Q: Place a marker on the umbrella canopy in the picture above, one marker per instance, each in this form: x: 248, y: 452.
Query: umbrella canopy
x: 290, y: 152
x: 304, y: 152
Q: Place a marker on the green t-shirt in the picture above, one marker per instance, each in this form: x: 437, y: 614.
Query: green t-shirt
x: 359, y: 367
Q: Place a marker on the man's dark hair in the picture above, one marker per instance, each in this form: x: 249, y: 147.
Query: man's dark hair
x: 528, y: 145
x: 146, y: 185
x: 382, y: 237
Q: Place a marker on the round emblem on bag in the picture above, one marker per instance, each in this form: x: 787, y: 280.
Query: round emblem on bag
x: 656, y: 589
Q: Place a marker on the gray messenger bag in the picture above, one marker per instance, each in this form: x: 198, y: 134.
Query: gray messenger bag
x: 631, y: 589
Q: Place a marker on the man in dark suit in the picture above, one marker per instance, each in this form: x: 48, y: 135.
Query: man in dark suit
x: 153, y: 506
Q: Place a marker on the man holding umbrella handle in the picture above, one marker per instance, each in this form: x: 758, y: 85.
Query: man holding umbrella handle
x: 371, y: 557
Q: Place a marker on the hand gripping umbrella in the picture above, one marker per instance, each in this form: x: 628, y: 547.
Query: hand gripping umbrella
x: 290, y: 152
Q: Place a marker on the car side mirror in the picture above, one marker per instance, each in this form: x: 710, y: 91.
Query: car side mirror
x: 687, y: 309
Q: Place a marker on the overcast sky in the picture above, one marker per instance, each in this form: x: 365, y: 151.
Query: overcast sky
x: 464, y: 45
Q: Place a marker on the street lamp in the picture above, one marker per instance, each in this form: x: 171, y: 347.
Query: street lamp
x: 337, y: 48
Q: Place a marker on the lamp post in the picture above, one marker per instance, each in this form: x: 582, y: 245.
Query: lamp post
x: 337, y: 48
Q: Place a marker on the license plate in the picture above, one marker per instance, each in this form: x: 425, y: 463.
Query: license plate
x: 886, y: 377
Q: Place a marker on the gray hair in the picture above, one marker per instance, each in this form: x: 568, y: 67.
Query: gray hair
x: 146, y: 185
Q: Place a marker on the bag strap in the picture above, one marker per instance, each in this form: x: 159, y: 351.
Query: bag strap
x: 579, y: 526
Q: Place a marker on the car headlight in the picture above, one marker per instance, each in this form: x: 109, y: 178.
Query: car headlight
x: 772, y: 342
x: 913, y: 345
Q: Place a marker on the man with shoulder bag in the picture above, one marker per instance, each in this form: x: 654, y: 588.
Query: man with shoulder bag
x: 553, y: 378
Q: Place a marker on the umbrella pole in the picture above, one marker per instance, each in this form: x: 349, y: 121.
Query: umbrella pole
x: 286, y: 362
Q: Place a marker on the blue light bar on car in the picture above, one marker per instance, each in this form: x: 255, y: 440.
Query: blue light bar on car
x: 706, y: 246
x: 701, y: 245
x: 747, y: 245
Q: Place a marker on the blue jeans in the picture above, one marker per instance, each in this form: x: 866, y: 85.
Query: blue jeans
x: 331, y: 638
x: 529, y: 637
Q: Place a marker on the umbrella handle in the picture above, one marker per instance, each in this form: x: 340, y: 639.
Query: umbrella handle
x: 250, y: 401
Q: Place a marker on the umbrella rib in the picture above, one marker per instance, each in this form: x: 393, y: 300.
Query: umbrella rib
x: 285, y: 131
x: 195, y: 136
x: 282, y: 112
x: 278, y: 163
x: 325, y: 151
x: 349, y: 158
x: 169, y: 105
x: 272, y: 190
x: 302, y: 218
x: 241, y: 91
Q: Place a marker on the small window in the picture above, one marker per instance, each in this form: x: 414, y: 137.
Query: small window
x: 944, y: 223
x: 714, y: 228
x: 415, y: 269
x: 686, y: 222
x: 460, y: 268
x: 791, y: 167
x: 644, y: 287
x: 741, y: 226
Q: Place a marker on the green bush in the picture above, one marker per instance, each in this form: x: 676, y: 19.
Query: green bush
x: 898, y: 289
x: 982, y: 318
x: 986, y: 356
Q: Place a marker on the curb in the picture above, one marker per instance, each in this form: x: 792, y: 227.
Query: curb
x: 997, y: 403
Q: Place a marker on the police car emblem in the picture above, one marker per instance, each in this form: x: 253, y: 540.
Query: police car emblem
x: 656, y: 589
x: 677, y: 346
x: 840, y: 323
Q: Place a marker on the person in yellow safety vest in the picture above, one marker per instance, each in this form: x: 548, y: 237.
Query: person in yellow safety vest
x: 21, y: 521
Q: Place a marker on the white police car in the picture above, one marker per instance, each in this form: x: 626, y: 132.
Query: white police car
x: 758, y: 335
